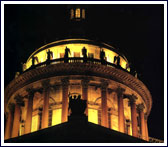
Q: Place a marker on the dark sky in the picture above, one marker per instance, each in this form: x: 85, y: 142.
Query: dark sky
x: 137, y: 30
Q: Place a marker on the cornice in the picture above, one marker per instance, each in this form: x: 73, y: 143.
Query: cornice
x: 91, y: 69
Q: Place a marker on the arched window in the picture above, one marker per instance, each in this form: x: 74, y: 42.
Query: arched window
x: 78, y: 13
x: 72, y: 14
x: 83, y: 13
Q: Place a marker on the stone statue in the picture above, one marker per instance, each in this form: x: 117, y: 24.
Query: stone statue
x: 66, y: 55
x: 17, y: 74
x: 115, y: 59
x: 49, y: 55
x: 34, y: 58
x: 77, y: 105
x: 84, y: 53
x: 118, y: 60
x: 102, y: 56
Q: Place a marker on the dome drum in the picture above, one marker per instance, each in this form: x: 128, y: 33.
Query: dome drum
x: 115, y: 98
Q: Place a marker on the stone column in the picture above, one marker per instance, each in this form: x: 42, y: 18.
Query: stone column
x: 45, y: 112
x: 29, y: 111
x: 140, y: 108
x: 17, y: 114
x: 65, y: 83
x: 16, y: 121
x: 121, y: 123
x: 132, y: 103
x: 9, y: 121
x: 84, y: 84
x: 146, y: 127
x: 104, y: 113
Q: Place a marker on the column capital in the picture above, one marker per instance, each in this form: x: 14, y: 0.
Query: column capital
x: 11, y: 107
x: 132, y: 99
x: 110, y: 90
x: 55, y: 86
x: 30, y: 91
x: 140, y: 107
x: 19, y: 100
x: 46, y: 84
x: 40, y: 90
x: 120, y: 91
x: 104, y: 85
x: 85, y: 82
x: 65, y: 81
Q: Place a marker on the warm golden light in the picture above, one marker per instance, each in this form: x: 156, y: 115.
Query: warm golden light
x: 56, y: 116
x: 77, y: 13
x: 123, y: 63
x: 35, y: 123
x: 21, y: 130
x: 29, y: 63
x: 76, y: 51
x: 114, y: 122
x: 110, y: 55
x: 93, y: 116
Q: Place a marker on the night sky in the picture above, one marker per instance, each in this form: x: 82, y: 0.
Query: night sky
x: 136, y: 30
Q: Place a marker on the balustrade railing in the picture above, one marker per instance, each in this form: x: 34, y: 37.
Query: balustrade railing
x: 76, y: 60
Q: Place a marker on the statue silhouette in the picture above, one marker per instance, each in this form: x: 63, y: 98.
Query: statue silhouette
x: 76, y: 105
x: 66, y: 55
x: 84, y: 53
x: 34, y: 58
x: 115, y: 58
x: 49, y: 56
x: 102, y: 56
x: 118, y: 61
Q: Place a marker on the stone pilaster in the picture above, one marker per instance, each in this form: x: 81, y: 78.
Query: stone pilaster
x: 132, y: 103
x: 146, y: 128
x: 140, y: 109
x: 104, y: 113
x: 45, y: 112
x: 29, y: 110
x: 17, y: 114
x: 9, y: 122
x: 85, y: 83
x: 121, y: 122
x: 65, y: 83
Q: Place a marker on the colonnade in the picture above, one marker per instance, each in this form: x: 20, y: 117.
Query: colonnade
x: 13, y: 118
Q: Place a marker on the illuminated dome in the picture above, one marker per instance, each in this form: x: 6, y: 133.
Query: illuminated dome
x: 75, y: 45
x: 38, y: 98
